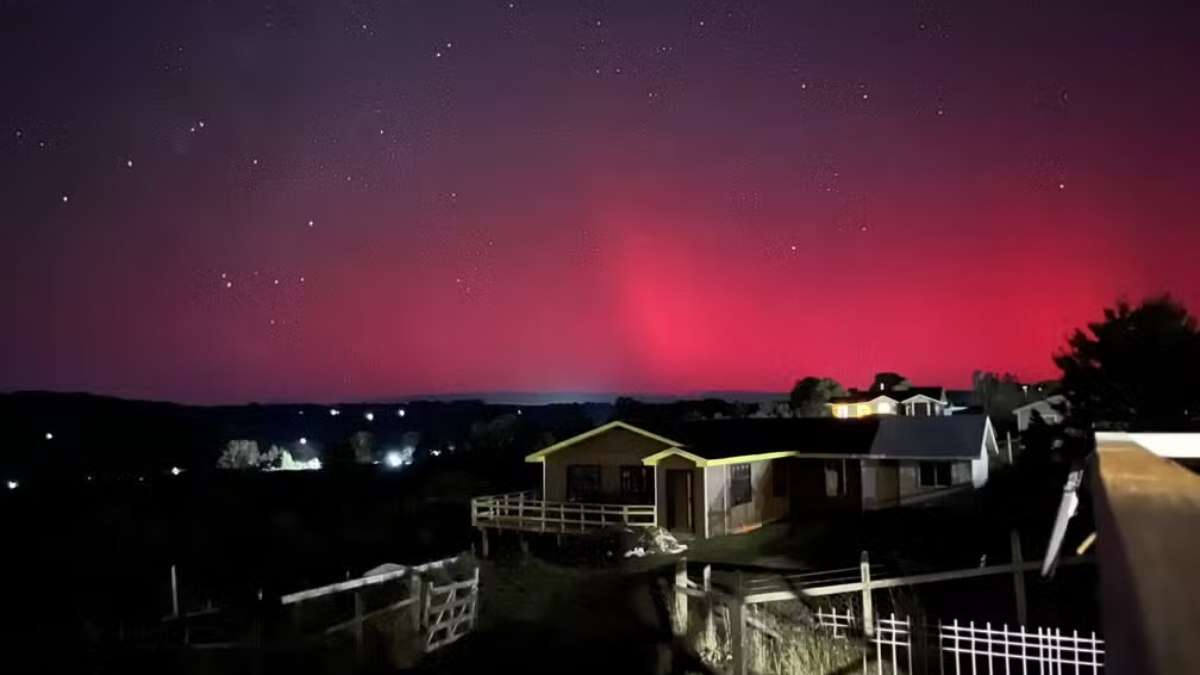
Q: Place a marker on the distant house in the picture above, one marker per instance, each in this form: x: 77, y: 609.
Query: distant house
x: 716, y: 477
x: 1048, y: 409
x: 907, y: 400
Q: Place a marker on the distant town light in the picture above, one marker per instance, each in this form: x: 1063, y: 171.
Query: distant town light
x: 370, y: 416
x: 49, y: 436
x: 335, y: 412
x: 13, y: 485
x: 393, y: 459
x: 400, y: 413
x: 303, y: 440
x: 175, y: 471
x: 436, y: 453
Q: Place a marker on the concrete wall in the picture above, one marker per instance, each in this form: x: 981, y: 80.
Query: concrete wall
x: 610, y: 450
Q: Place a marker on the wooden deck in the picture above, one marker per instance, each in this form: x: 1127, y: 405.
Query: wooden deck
x: 524, y: 512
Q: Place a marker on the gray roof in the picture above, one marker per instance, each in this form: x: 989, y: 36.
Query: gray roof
x: 896, y: 436
x: 951, y: 437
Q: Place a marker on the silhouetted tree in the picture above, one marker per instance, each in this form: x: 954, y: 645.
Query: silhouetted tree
x: 887, y: 381
x: 810, y: 395
x: 997, y: 393
x: 1136, y: 369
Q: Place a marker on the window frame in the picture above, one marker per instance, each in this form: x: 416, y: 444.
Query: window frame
x: 642, y: 475
x: 838, y: 466
x: 936, y: 468
x: 736, y: 486
x: 573, y: 469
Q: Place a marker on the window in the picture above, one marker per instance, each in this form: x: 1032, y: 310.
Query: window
x: 740, y: 491
x: 835, y: 478
x: 637, y: 484
x: 863, y: 410
x: 583, y: 482
x: 935, y: 474
x: 779, y: 478
x: 841, y: 411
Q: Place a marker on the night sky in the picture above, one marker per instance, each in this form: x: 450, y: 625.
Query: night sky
x: 234, y: 201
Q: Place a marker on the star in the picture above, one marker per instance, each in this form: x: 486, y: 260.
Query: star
x: 129, y: 163
x: 66, y: 198
x: 228, y: 284
x: 311, y: 223
x: 1062, y: 186
x: 254, y: 162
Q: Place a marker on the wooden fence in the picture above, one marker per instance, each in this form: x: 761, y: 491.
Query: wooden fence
x: 412, y: 603
x: 999, y: 650
x: 967, y: 648
x: 521, y: 511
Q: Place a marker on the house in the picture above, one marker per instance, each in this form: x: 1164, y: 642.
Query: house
x: 900, y: 400
x: 1049, y: 409
x: 716, y: 477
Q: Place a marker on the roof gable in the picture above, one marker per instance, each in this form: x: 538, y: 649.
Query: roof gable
x: 540, y: 455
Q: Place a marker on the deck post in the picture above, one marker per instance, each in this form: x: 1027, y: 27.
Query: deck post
x: 1018, y: 560
x: 737, y: 626
x: 483, y: 543
x: 681, y: 603
x: 868, y: 608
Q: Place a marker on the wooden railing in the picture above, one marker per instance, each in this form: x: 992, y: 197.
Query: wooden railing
x: 522, y: 511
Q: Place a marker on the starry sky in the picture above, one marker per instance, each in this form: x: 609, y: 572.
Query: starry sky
x: 234, y: 201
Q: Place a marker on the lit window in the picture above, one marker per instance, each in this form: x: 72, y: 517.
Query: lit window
x: 885, y: 408
x: 864, y: 409
x: 840, y: 411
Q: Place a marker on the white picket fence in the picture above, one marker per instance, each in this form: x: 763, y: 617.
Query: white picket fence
x: 967, y: 648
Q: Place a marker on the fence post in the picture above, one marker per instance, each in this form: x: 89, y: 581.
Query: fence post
x: 174, y: 592
x: 483, y: 544
x: 359, y: 631
x: 710, y: 627
x: 737, y: 626
x: 681, y: 603
x: 1014, y: 538
x: 414, y: 610
x: 868, y: 608
x: 474, y: 601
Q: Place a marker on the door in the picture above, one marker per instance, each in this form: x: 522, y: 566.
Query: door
x: 679, y: 500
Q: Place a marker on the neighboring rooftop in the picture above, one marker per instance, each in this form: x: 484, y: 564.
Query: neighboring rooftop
x: 898, y: 394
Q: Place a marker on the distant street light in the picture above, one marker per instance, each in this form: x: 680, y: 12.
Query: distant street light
x: 370, y: 416
x: 13, y: 485
x: 335, y: 412
x: 400, y: 412
x: 303, y: 440
x: 393, y: 459
x: 49, y: 436
x: 175, y: 471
